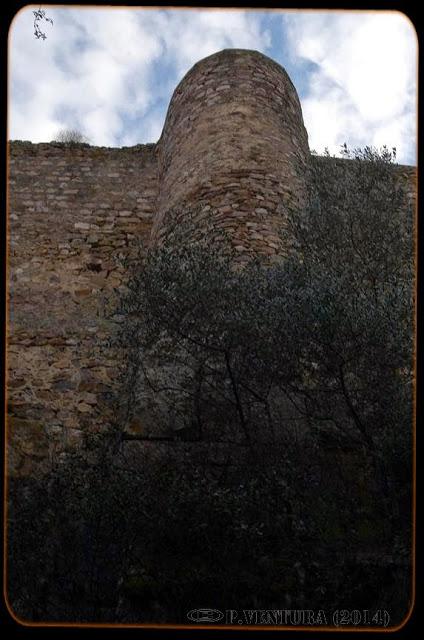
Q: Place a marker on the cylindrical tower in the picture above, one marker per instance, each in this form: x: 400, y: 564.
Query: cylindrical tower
x: 234, y: 151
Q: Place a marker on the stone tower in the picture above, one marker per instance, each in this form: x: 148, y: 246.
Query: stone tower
x: 234, y: 148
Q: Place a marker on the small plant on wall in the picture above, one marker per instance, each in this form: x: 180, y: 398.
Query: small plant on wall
x: 71, y: 137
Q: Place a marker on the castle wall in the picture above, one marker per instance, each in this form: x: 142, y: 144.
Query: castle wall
x: 73, y: 212
x: 234, y: 150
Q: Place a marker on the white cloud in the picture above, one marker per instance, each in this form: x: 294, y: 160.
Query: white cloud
x: 103, y: 70
x: 363, y: 88
x: 193, y: 35
x: 111, y: 72
x: 86, y: 67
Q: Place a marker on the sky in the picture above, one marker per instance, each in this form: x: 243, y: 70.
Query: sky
x: 110, y: 73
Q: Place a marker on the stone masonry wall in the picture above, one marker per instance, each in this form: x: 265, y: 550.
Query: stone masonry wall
x: 233, y: 150
x: 73, y: 212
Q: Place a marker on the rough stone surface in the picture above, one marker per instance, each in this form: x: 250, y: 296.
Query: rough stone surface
x: 234, y: 144
x: 67, y: 234
x: 233, y: 147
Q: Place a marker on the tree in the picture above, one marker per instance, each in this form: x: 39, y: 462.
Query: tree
x: 318, y: 348
x: 71, y: 137
x: 200, y: 352
x: 354, y: 301
x: 328, y: 331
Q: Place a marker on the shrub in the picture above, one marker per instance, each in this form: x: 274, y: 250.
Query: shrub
x: 71, y: 137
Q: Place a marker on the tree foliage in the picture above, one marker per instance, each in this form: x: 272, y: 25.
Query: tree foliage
x: 356, y: 288
x: 327, y: 332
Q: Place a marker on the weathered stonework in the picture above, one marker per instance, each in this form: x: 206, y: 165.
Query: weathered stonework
x: 234, y: 144
x: 233, y: 147
x: 73, y: 213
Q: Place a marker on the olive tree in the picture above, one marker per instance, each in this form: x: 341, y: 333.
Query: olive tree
x: 316, y: 350
x: 353, y: 304
x: 328, y: 331
x: 202, y: 340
